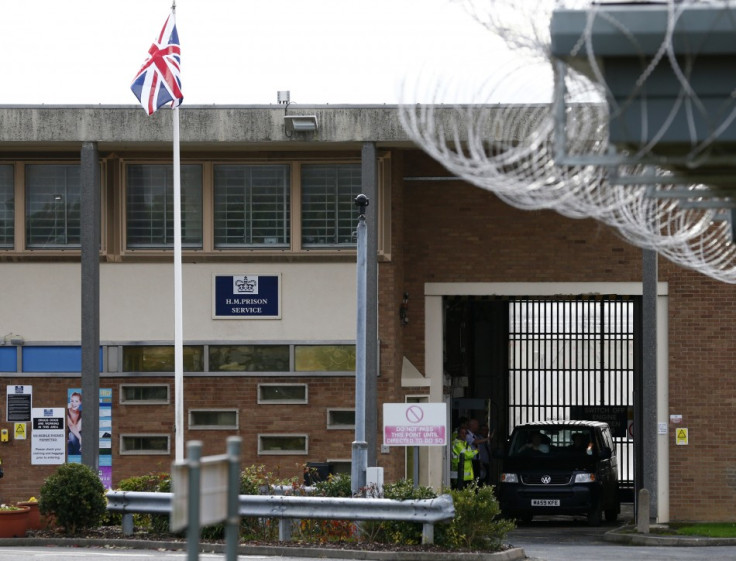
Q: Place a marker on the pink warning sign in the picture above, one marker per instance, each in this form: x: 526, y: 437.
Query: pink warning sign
x: 414, y: 436
x: 414, y: 424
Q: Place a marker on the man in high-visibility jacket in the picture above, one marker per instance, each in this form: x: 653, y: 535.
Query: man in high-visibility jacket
x: 461, y: 466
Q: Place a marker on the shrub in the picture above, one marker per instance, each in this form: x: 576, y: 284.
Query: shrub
x: 334, y: 486
x: 391, y: 531
x: 75, y: 496
x: 477, y: 523
x: 325, y: 531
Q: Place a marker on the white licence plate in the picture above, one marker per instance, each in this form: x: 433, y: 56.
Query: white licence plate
x: 545, y: 502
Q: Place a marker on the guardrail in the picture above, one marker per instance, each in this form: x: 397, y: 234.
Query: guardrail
x: 288, y: 508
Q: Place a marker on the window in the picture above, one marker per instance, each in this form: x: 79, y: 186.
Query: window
x: 282, y: 393
x: 148, y: 394
x: 282, y: 444
x: 144, y: 444
x: 329, y: 214
x: 340, y: 467
x: 160, y: 358
x: 341, y: 418
x: 213, y: 419
x: 8, y: 359
x: 324, y: 358
x: 7, y: 207
x: 251, y: 206
x: 249, y: 358
x: 53, y: 358
x: 150, y: 206
x: 52, y: 206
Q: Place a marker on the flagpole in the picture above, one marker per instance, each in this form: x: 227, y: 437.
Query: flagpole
x: 178, y: 323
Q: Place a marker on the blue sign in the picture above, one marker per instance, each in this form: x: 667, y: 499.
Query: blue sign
x: 247, y: 296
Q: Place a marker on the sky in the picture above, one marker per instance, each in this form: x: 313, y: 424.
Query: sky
x: 241, y: 52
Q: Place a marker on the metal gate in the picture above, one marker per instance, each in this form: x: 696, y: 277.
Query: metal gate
x: 575, y: 358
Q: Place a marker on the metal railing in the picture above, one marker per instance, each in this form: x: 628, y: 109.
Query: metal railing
x: 288, y: 508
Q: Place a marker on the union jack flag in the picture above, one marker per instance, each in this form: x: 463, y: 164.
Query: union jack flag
x: 157, y: 82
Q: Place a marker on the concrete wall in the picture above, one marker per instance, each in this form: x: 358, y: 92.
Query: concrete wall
x: 42, y: 302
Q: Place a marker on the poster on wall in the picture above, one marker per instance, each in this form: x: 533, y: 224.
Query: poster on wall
x: 74, y: 441
x: 48, y: 442
x: 246, y: 296
x: 18, y: 404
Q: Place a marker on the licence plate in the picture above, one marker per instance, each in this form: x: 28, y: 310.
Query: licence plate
x: 545, y: 502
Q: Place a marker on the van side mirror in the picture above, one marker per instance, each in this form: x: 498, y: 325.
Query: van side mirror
x: 605, y: 454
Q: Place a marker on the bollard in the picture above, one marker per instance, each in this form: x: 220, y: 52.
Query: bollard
x: 642, y: 512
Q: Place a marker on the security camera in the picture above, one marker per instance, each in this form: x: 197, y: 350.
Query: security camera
x: 361, y: 200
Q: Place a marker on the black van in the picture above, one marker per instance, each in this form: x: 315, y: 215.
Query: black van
x: 560, y: 467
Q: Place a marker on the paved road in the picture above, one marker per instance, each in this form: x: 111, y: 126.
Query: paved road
x: 565, y: 538
x: 79, y: 554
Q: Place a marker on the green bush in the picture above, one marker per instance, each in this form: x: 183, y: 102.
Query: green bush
x: 75, y: 496
x: 399, y: 532
x: 477, y: 523
x: 334, y: 486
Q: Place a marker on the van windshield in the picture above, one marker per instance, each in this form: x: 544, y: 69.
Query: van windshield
x: 552, y: 441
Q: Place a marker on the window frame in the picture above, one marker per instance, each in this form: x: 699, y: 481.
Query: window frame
x: 339, y: 426
x: 123, y: 401
x: 287, y: 189
x: 19, y: 211
x: 262, y: 452
x: 122, y: 451
x: 123, y: 202
x: 113, y: 211
x: 294, y: 207
x: 346, y: 463
x: 261, y: 401
x: 11, y: 228
x: 192, y: 426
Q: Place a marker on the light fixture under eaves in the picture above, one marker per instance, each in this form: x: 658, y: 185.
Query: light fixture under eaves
x: 300, y: 123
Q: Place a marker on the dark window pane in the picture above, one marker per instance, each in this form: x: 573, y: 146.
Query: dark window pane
x: 150, y: 206
x: 161, y: 358
x: 329, y: 215
x: 52, y: 206
x: 249, y: 358
x: 7, y: 207
x: 251, y: 206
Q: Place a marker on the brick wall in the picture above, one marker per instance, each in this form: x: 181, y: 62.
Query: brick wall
x: 454, y: 232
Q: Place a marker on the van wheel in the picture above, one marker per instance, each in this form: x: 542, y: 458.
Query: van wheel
x: 611, y: 515
x: 594, y: 516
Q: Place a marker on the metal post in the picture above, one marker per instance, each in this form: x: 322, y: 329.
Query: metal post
x: 360, y: 446
x: 194, y: 455
x: 285, y: 529
x: 648, y: 424
x: 369, y: 184
x: 90, y: 244
x: 415, y: 459
x: 232, y: 524
x: 427, y: 533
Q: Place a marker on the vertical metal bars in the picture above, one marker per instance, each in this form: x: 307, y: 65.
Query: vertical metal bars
x: 571, y: 352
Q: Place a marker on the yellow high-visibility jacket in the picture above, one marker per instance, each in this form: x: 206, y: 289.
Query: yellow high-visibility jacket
x: 462, y: 447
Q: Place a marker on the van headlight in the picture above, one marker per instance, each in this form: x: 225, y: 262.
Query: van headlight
x: 509, y: 478
x: 585, y: 478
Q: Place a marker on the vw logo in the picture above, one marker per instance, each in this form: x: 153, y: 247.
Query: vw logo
x: 546, y: 479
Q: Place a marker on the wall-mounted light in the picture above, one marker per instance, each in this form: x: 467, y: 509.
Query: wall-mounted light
x: 404, y: 309
x: 300, y: 123
x: 12, y: 339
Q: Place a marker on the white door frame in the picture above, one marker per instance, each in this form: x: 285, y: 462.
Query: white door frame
x: 434, y: 344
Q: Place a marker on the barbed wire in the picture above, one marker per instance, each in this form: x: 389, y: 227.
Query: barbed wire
x: 511, y: 149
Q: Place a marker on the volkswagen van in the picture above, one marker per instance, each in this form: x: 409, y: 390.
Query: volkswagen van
x: 560, y: 467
